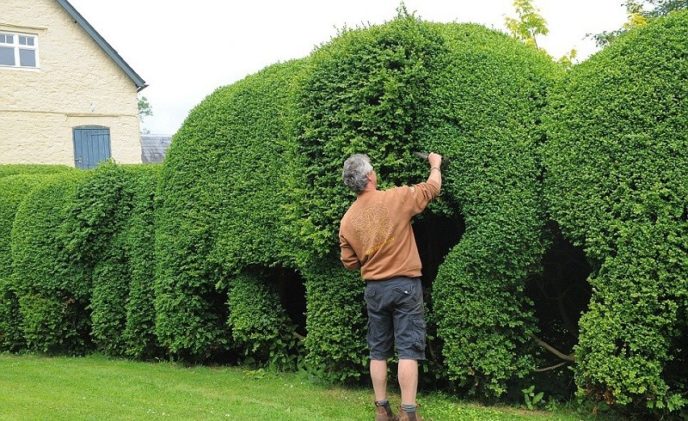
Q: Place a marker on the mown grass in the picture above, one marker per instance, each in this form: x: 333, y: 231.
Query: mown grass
x: 95, y: 387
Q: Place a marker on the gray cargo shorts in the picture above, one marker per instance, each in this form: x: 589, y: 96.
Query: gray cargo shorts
x: 395, y: 317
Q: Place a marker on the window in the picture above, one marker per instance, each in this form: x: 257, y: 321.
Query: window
x: 18, y: 50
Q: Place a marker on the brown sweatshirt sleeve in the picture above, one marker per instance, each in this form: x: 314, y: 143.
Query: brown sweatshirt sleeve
x: 417, y: 197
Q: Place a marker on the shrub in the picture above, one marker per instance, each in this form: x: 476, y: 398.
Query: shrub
x: 253, y: 180
x: 488, y: 99
x: 336, y: 345
x: 53, y: 291
x: 617, y: 165
x: 11, y: 337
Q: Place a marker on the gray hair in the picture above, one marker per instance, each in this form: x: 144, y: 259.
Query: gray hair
x: 356, y: 170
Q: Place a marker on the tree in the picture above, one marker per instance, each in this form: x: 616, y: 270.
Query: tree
x: 145, y: 109
x: 639, y: 13
x: 528, y: 24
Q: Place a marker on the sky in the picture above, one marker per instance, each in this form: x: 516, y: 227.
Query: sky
x: 184, y: 50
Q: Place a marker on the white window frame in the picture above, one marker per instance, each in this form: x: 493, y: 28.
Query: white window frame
x: 16, y: 47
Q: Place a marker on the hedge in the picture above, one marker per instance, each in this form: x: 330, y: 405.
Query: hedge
x: 53, y: 291
x: 617, y: 183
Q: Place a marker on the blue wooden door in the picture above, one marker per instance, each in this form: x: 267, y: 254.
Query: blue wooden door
x: 91, y: 146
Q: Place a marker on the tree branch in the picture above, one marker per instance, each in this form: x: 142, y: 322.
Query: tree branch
x: 540, y: 370
x: 553, y: 350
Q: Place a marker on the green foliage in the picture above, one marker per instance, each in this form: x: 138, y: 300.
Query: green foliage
x: 617, y: 165
x: 528, y: 24
x: 14, y: 189
x: 531, y: 398
x: 336, y: 323
x: 11, y: 335
x: 366, y: 92
x: 488, y: 100
x: 110, y: 230
x: 253, y: 178
x: 260, y: 326
x: 139, y: 331
x: 639, y: 13
x: 145, y: 109
x: 17, y: 169
x: 94, y: 240
x: 53, y: 291
x: 221, y: 206
x: 473, y: 95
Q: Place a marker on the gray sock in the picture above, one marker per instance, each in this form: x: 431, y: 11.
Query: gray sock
x: 382, y: 402
x: 408, y: 408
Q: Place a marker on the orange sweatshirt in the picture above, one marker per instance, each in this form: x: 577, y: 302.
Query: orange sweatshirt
x: 375, y: 234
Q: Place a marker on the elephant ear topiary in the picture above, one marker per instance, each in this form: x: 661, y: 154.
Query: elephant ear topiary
x: 488, y: 100
x: 617, y: 183
x: 221, y: 207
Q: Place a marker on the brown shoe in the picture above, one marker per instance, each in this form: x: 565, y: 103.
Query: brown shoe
x: 384, y: 413
x: 409, y: 416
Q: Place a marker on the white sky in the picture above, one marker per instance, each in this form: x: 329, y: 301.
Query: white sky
x: 184, y: 50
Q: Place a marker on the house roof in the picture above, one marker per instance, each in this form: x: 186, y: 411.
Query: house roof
x: 107, y: 48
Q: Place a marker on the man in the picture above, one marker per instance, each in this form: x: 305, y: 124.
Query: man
x: 375, y: 235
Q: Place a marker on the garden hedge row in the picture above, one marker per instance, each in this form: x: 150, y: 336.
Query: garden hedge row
x: 187, y: 260
x: 81, y: 270
x: 617, y: 183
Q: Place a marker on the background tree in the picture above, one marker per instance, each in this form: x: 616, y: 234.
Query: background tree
x: 528, y: 22
x: 145, y: 109
x: 639, y: 13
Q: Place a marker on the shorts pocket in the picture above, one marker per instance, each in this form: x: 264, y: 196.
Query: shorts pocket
x: 419, y: 334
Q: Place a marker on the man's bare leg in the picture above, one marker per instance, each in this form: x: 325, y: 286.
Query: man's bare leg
x: 378, y: 374
x: 408, y: 381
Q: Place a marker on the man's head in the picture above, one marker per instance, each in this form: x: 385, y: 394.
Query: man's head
x: 358, y: 172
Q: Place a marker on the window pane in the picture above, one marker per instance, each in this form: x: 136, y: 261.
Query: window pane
x: 30, y: 40
x: 9, y: 39
x: 6, y: 56
x: 22, y: 40
x: 27, y: 58
x: 2, y: 37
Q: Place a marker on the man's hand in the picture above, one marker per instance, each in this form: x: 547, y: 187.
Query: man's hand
x: 435, y: 160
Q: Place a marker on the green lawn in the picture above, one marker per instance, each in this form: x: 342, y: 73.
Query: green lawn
x: 97, y: 388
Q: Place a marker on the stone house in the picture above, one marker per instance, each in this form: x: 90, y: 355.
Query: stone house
x: 66, y: 96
